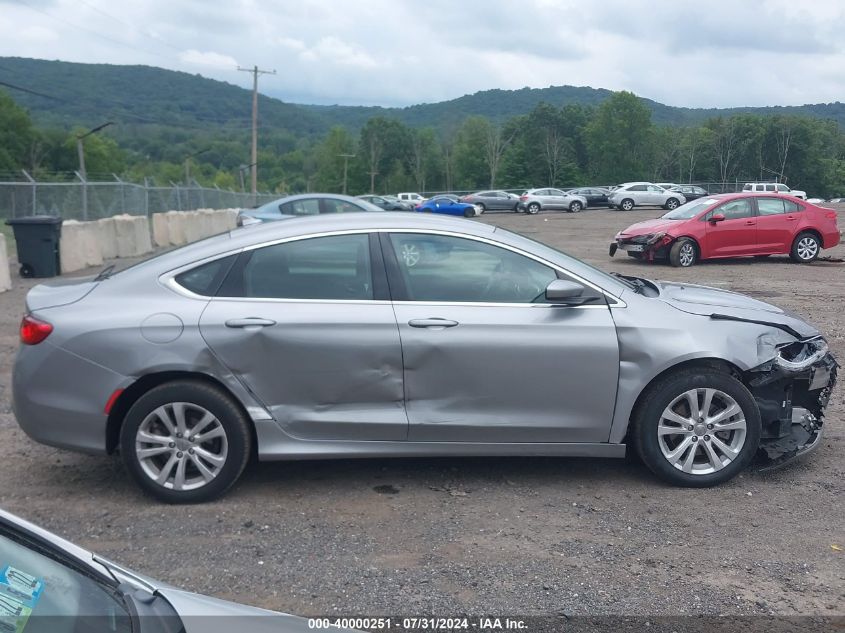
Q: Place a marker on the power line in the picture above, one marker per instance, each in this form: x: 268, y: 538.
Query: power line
x: 92, y: 31
x: 155, y: 38
x: 27, y: 90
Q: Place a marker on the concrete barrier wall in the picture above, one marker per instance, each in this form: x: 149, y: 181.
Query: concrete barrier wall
x: 80, y: 246
x: 175, y: 228
x: 5, y: 276
x: 133, y: 235
x: 86, y: 244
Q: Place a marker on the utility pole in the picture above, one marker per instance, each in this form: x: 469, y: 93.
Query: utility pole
x: 346, y: 158
x: 254, y: 157
x: 80, y: 150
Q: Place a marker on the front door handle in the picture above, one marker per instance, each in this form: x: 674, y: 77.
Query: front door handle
x: 432, y: 323
x: 250, y: 322
x: 790, y: 217
x: 750, y: 223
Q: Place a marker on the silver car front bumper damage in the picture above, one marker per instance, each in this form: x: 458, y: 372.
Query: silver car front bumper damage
x: 792, y: 406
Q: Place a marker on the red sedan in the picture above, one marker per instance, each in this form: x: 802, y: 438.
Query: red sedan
x: 732, y: 225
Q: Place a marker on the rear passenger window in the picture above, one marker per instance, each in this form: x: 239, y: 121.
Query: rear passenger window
x: 770, y: 206
x: 770, y: 188
x: 206, y: 279
x: 792, y: 207
x: 335, y: 267
x: 301, y: 207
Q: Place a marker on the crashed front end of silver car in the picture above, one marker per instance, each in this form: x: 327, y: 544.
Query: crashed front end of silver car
x: 792, y: 390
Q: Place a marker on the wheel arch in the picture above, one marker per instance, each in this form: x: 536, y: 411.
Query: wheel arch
x: 142, y: 385
x: 706, y: 362
x: 808, y: 229
x: 692, y: 239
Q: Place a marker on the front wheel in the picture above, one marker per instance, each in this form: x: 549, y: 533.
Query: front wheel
x: 469, y: 213
x: 697, y: 427
x: 185, y: 442
x: 805, y: 248
x: 683, y: 254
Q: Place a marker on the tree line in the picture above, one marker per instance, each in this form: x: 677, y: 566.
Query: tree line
x: 573, y: 145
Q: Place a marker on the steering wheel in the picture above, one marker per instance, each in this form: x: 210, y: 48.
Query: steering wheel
x: 511, y: 281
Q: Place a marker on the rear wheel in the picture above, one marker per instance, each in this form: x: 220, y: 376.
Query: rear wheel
x: 672, y: 203
x: 534, y: 208
x: 627, y: 204
x: 697, y: 427
x: 683, y: 253
x: 481, y: 208
x: 805, y: 248
x: 185, y: 442
x: 575, y: 207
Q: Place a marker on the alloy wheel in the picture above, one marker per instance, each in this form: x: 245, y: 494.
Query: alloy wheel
x: 807, y: 248
x: 181, y: 446
x: 687, y: 255
x: 701, y: 431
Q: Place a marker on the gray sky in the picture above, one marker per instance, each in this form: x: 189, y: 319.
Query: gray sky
x: 399, y: 52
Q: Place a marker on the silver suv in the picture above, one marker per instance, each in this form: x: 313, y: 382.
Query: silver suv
x: 634, y: 194
x: 535, y: 200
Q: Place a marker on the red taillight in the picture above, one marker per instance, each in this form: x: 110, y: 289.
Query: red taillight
x: 523, y: 197
x: 831, y: 215
x: 33, y: 330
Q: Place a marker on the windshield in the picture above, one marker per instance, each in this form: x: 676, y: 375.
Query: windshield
x: 690, y: 209
x: 39, y: 593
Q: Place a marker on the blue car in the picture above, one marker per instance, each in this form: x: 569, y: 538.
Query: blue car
x: 447, y: 206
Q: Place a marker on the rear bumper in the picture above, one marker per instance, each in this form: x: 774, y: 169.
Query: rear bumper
x: 58, y: 397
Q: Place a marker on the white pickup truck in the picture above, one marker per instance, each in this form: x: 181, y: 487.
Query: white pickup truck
x: 777, y: 187
x: 411, y: 198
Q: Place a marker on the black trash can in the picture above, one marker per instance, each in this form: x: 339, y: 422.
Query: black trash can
x: 37, y: 239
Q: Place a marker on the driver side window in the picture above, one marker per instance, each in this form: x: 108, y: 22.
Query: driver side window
x: 454, y: 269
x: 735, y: 209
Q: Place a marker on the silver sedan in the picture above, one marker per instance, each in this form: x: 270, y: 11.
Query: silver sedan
x: 390, y: 334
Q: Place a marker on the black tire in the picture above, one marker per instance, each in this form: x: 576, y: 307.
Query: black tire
x: 672, y: 204
x: 469, y: 213
x: 627, y: 204
x: 533, y: 208
x: 659, y: 395
x: 575, y: 207
x: 26, y: 271
x: 805, y: 248
x: 516, y: 208
x: 683, y: 254
x: 214, y: 400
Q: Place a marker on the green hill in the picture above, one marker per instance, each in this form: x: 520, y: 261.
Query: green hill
x: 88, y: 94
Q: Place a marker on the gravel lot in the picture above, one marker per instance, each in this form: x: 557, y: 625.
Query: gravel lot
x: 507, y: 536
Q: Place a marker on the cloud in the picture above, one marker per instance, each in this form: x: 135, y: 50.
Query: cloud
x: 208, y: 59
x: 400, y: 52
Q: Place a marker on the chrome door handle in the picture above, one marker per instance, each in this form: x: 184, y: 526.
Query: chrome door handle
x: 249, y: 322
x: 432, y: 323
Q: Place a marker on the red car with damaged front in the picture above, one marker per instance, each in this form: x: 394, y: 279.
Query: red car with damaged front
x: 732, y: 225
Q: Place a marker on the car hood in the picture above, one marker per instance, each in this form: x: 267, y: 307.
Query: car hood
x: 204, y: 614
x: 728, y: 305
x: 656, y: 225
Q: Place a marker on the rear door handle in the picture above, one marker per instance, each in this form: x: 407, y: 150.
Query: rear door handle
x: 432, y: 323
x: 250, y: 322
x: 750, y: 223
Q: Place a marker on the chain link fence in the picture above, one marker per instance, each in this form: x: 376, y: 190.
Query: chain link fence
x: 91, y: 200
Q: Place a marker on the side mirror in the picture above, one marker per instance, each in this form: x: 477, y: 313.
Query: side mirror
x: 717, y: 217
x: 566, y: 292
